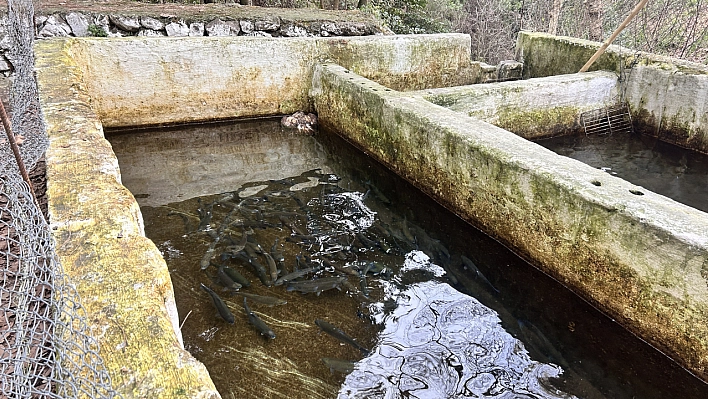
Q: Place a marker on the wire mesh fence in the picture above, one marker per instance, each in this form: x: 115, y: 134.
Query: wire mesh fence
x: 46, y: 350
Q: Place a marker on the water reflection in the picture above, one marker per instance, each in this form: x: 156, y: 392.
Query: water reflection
x: 440, y: 343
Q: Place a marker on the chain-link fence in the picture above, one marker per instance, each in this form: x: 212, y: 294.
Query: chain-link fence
x: 45, y: 348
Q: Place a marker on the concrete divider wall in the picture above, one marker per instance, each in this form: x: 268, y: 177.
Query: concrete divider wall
x: 667, y: 96
x: 533, y: 108
x: 147, y: 81
x: 639, y: 256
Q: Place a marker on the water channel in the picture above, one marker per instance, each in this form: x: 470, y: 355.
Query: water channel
x: 436, y: 309
x: 646, y: 161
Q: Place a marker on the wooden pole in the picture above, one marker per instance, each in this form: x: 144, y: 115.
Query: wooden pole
x: 614, y: 35
x: 16, y: 151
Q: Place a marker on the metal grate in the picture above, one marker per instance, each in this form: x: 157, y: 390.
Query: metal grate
x: 609, y: 120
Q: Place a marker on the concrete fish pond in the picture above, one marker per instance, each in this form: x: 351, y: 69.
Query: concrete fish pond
x: 358, y: 285
x: 644, y: 160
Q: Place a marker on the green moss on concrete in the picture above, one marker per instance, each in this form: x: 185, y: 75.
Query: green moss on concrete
x: 642, y: 269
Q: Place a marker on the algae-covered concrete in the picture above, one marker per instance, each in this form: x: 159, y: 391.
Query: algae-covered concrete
x: 667, y: 96
x: 638, y: 256
x: 146, y: 81
x: 120, y: 275
x: 533, y: 108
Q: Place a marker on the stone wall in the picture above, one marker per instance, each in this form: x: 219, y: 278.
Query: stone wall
x: 640, y: 257
x: 667, y: 96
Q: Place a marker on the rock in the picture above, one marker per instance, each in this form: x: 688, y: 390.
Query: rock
x: 353, y: 29
x: 55, y: 26
x: 218, y: 27
x: 196, y: 29
x: 509, y: 70
x: 78, y: 24
x: 128, y: 24
x: 268, y: 24
x: 178, y: 28
x: 246, y: 26
x: 292, y: 30
x: 258, y: 33
x: 39, y: 20
x: 5, y: 65
x: 151, y: 33
x: 151, y: 23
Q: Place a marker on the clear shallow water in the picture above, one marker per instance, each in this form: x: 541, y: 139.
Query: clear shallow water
x: 643, y: 160
x: 435, y: 326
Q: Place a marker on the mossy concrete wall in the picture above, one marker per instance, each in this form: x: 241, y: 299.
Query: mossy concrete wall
x: 147, y: 81
x: 533, y: 108
x: 667, y: 96
x: 638, y: 256
x: 86, y: 84
x: 100, y: 241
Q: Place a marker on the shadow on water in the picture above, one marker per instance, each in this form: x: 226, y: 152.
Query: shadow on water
x: 445, y: 310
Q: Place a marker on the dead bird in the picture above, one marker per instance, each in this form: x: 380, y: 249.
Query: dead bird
x: 467, y: 263
x: 220, y: 306
x: 316, y: 285
x: 301, y: 121
x: 340, y: 335
x: 257, y: 322
x: 341, y: 365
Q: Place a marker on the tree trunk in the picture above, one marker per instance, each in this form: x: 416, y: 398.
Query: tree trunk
x: 362, y: 3
x: 594, y: 8
x: 555, y: 17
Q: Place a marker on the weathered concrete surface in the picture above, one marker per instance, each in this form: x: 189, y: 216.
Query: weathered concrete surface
x: 145, y: 81
x: 639, y: 256
x: 667, y: 96
x: 533, y: 108
x: 119, y: 274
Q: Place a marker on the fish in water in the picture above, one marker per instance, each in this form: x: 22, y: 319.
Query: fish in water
x: 220, y: 306
x: 471, y: 266
x: 266, y: 300
x: 236, y: 276
x: 340, y: 335
x: 295, y: 275
x: 226, y: 280
x: 343, y: 366
x: 257, y: 322
x: 316, y: 285
x: 272, y: 267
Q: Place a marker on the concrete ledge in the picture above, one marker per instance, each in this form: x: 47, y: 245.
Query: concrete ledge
x: 667, y: 96
x: 97, y: 225
x: 639, y: 256
x: 147, y: 81
x: 533, y: 108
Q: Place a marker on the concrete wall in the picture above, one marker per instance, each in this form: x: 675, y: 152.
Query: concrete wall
x: 667, y: 96
x: 145, y: 81
x: 639, y: 256
x: 86, y: 84
x: 533, y: 108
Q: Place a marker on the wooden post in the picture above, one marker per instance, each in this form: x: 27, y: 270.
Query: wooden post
x: 614, y: 35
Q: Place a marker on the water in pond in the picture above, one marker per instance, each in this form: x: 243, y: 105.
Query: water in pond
x: 431, y: 307
x: 663, y: 168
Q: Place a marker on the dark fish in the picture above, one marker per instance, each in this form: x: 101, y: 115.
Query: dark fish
x: 209, y: 254
x: 185, y: 218
x: 471, y: 266
x: 316, y: 285
x: 296, y: 230
x: 238, y: 247
x: 365, y: 241
x: 343, y: 366
x: 220, y: 306
x: 226, y: 280
x: 204, y: 215
x: 236, y: 276
x: 295, y: 275
x: 257, y: 322
x: 266, y: 300
x: 340, y: 335
x: 271, y: 267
